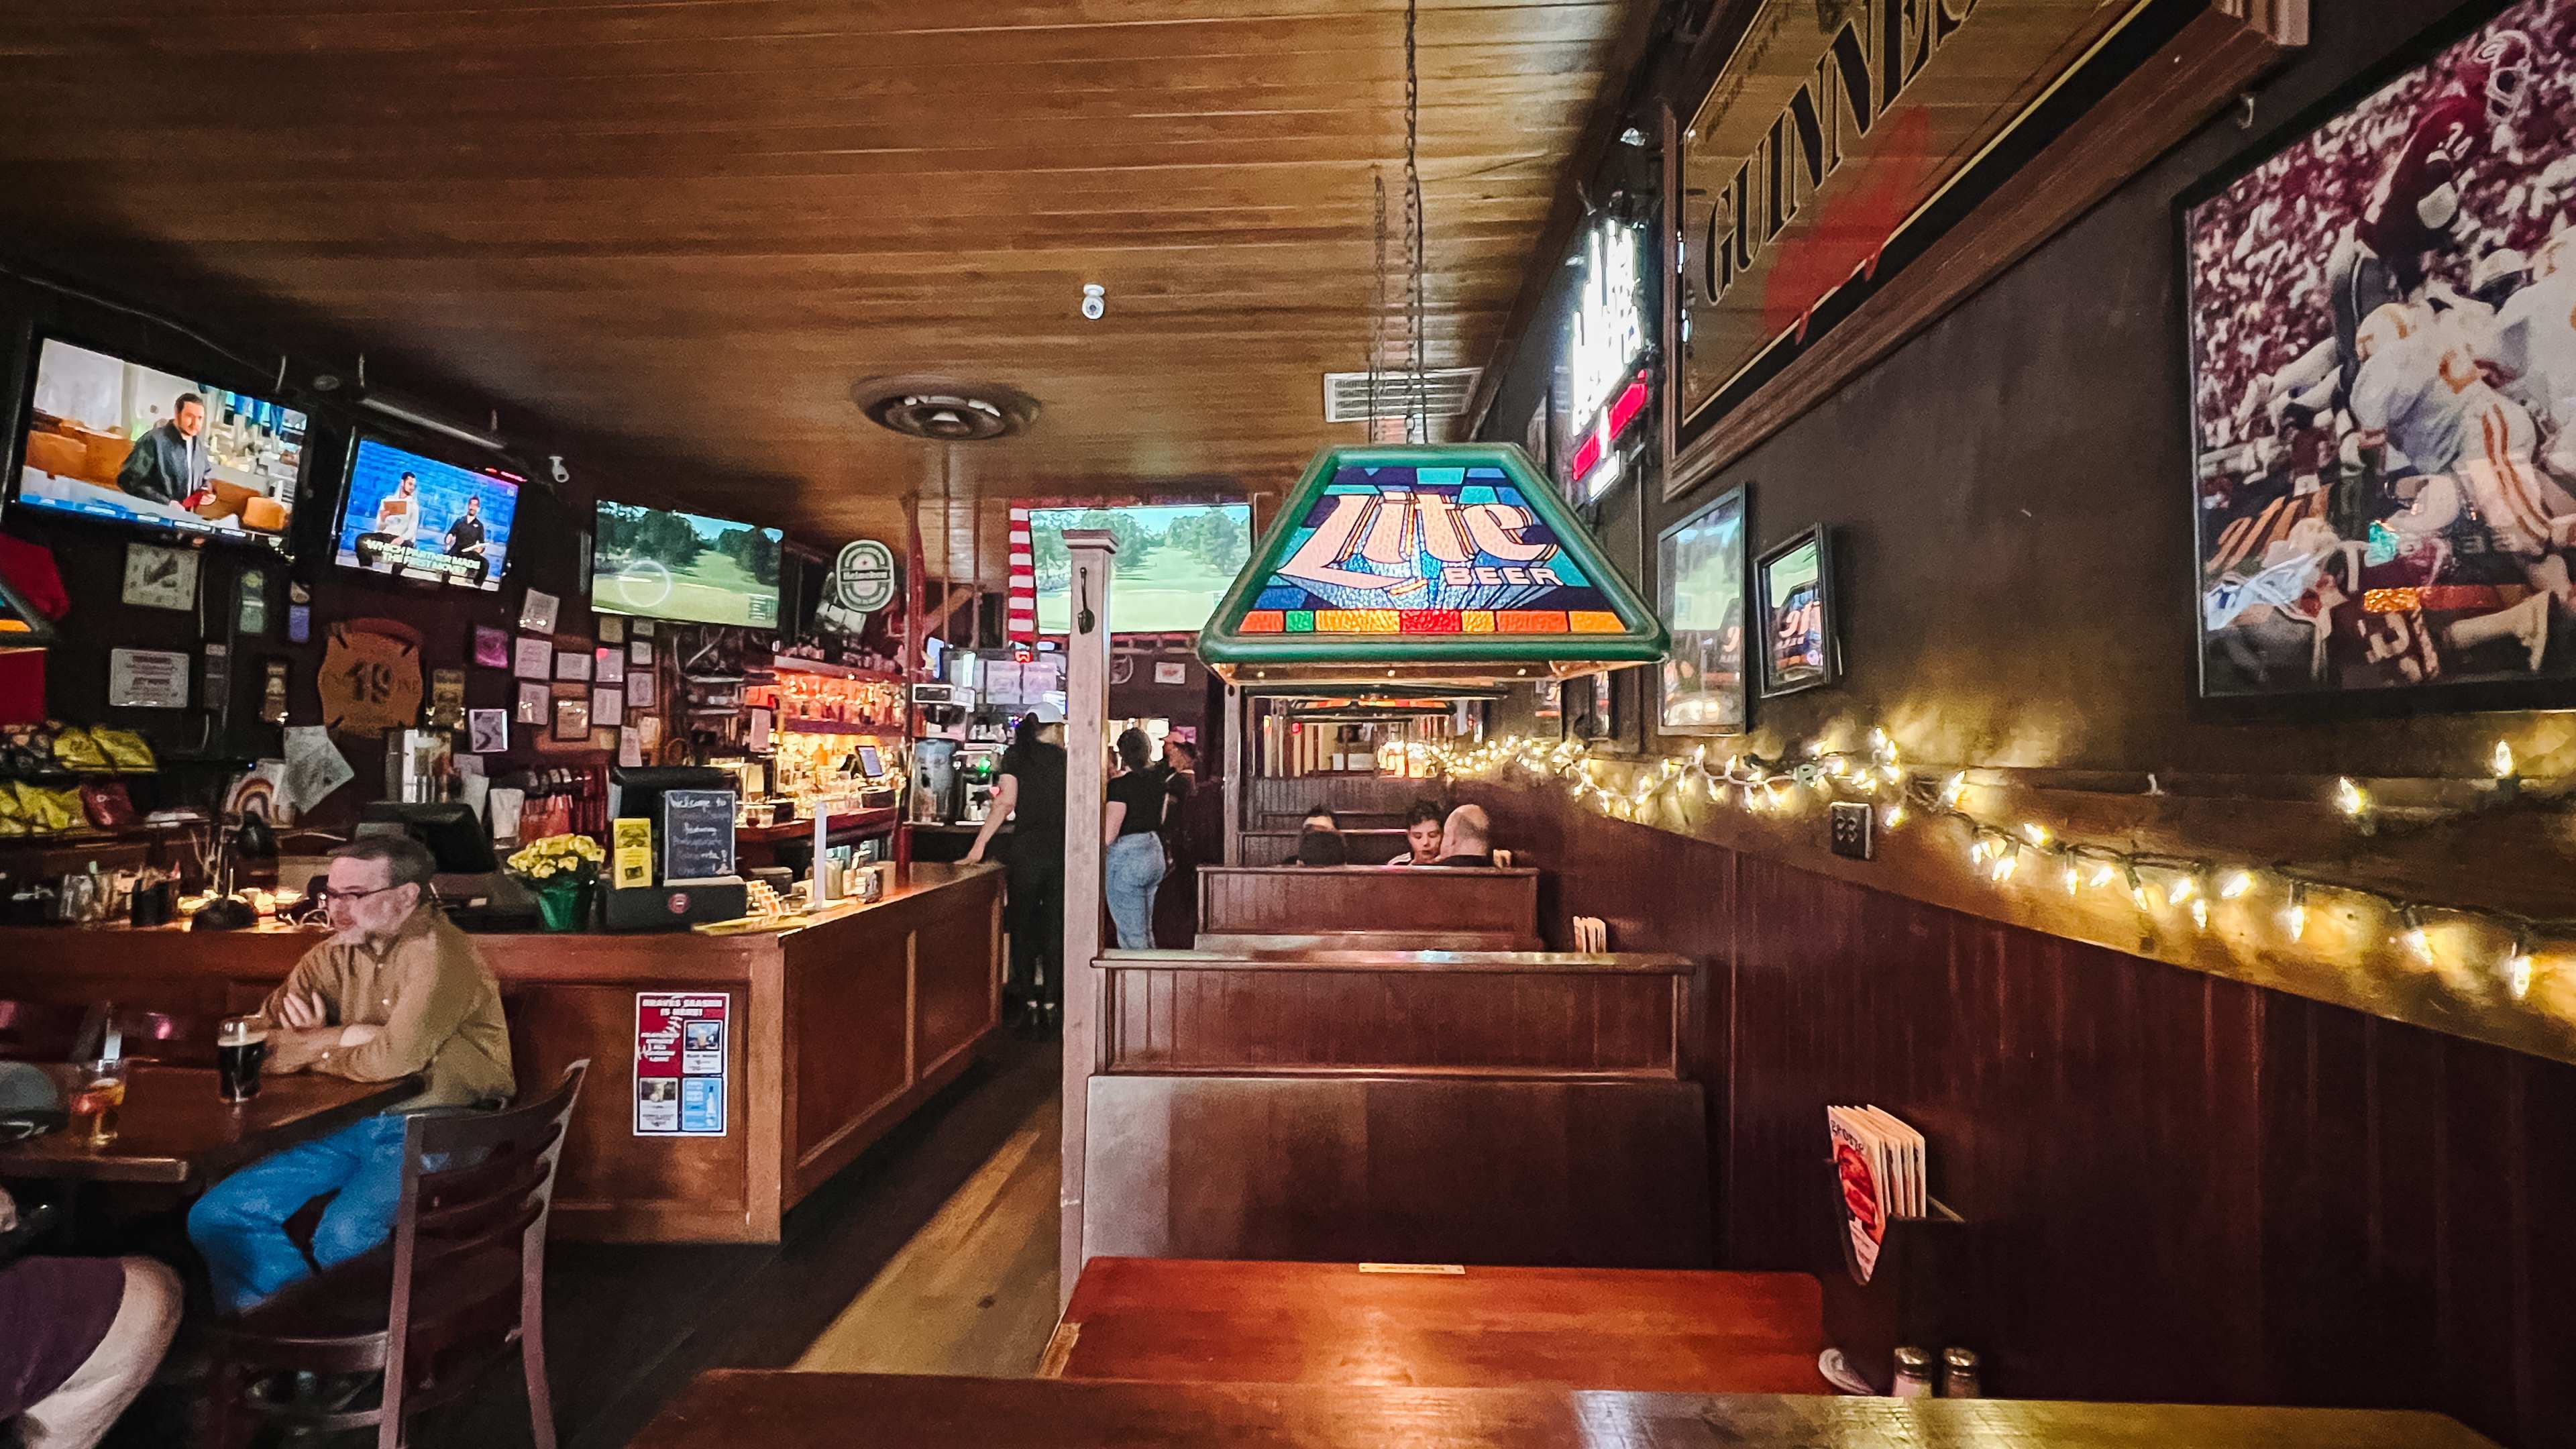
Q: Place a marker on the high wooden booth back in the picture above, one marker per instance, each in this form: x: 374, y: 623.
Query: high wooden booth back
x: 1475, y: 909
x: 1459, y: 1107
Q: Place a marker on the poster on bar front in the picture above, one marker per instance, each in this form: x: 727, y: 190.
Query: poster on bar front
x: 2382, y: 341
x: 682, y: 1063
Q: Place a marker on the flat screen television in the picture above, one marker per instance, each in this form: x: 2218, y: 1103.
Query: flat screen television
x: 409, y: 516
x: 112, y: 439
x: 660, y: 563
x: 1174, y: 562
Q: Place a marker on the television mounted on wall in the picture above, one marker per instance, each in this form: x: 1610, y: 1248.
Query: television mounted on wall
x: 117, y: 440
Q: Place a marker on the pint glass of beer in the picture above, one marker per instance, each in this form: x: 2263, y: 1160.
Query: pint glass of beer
x: 101, y: 1099
x: 241, y: 1044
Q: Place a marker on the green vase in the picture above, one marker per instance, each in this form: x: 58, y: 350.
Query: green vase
x: 564, y: 907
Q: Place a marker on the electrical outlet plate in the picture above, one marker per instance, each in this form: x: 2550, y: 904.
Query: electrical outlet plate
x: 1851, y: 830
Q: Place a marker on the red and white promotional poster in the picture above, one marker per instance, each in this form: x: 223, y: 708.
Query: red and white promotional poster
x: 681, y: 1063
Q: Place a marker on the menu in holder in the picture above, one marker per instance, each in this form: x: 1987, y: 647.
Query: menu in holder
x: 697, y: 836
x: 1879, y: 1166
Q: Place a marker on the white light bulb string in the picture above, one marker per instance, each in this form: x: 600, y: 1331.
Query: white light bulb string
x: 2155, y: 881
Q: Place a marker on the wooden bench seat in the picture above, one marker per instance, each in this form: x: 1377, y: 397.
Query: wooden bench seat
x: 1339, y: 1323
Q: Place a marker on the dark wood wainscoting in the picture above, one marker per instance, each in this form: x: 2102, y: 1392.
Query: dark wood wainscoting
x: 2180, y: 1187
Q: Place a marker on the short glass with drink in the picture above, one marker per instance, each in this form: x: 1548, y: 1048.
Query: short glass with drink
x: 95, y: 1107
x: 241, y: 1044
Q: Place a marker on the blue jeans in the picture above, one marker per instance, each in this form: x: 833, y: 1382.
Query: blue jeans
x: 1134, y: 868
x: 239, y: 1226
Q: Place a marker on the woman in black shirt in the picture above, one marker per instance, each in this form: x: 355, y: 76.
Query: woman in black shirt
x: 1132, y: 831
x: 1030, y: 792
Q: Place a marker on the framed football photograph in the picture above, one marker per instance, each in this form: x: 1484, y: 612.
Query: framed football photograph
x: 1702, y: 589
x: 1796, y: 580
x: 2380, y: 334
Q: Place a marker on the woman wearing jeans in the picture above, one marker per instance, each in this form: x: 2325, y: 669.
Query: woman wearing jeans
x: 1133, y: 833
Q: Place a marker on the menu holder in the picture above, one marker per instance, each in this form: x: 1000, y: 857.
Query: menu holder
x: 1920, y: 1291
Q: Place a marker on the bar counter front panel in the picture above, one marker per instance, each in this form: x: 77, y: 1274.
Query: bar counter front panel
x: 837, y: 1030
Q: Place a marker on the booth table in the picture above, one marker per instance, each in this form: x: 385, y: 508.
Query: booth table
x: 832, y: 1032
x: 787, y: 1410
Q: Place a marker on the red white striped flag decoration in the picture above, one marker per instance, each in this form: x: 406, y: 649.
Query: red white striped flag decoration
x: 1022, y: 615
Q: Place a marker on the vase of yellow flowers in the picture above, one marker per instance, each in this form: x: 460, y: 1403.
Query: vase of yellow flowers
x: 561, y: 869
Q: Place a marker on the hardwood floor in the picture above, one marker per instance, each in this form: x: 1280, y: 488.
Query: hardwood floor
x: 629, y: 1326
x: 974, y: 1292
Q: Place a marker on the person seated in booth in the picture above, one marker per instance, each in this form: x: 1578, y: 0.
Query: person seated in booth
x: 1423, y: 828
x: 397, y: 991
x: 1467, y: 839
x: 1321, y: 818
x: 83, y: 1337
x: 1317, y: 846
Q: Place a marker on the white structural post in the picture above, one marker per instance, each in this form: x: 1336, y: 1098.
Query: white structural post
x: 1086, y: 720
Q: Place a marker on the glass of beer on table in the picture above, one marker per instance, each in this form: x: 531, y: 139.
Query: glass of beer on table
x: 241, y: 1044
x: 97, y: 1103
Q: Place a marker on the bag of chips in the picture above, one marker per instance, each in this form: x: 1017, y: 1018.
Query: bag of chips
x: 74, y: 749
x: 127, y: 753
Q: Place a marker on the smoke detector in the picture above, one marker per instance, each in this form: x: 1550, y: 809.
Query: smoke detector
x: 944, y: 409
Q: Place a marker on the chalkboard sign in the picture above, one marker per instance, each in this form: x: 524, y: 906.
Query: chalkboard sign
x: 697, y: 836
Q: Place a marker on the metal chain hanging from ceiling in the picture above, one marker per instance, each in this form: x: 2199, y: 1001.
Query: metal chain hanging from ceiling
x: 1418, y: 418
x: 1377, y: 313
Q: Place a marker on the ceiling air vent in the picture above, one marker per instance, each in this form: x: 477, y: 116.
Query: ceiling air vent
x: 1346, y: 394
x: 944, y: 409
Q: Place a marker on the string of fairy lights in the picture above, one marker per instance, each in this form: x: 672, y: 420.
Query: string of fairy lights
x: 2155, y: 882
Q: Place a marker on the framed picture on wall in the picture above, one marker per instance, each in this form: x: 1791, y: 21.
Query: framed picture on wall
x: 2381, y: 335
x: 1797, y: 612
x: 1703, y: 590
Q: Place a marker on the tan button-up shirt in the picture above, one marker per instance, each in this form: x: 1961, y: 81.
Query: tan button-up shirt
x: 436, y: 1001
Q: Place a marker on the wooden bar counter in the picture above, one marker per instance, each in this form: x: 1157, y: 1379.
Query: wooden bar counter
x: 836, y: 1031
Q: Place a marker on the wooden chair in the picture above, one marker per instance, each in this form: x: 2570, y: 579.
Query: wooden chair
x: 173, y: 1039
x: 39, y: 1031
x: 463, y: 1281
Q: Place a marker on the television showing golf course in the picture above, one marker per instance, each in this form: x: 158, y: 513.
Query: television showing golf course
x: 1174, y: 562
x: 663, y: 564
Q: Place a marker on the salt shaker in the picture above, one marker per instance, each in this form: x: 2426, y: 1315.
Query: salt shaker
x: 1959, y: 1374
x: 1913, y: 1374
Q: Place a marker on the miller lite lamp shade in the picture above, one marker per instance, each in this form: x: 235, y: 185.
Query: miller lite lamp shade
x: 1450, y: 563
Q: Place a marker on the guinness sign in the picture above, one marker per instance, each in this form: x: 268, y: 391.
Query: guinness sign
x: 1833, y: 146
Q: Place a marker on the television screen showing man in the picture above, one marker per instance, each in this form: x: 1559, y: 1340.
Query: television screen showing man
x: 417, y: 518
x: 116, y: 440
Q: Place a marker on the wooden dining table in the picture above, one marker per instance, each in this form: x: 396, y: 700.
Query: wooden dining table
x: 176, y: 1129
x: 788, y: 1410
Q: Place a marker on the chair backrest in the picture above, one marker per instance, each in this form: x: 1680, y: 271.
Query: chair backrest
x: 177, y: 1039
x: 476, y: 1191
x: 39, y: 1031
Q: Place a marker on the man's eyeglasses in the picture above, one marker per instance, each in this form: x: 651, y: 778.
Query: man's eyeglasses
x: 330, y: 897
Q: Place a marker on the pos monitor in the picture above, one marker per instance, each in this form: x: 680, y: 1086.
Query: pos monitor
x: 469, y: 879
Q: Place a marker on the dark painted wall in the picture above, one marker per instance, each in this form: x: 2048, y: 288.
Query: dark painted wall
x: 2012, y: 490
x: 2180, y: 1187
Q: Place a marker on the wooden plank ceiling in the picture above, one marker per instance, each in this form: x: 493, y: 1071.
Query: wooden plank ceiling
x: 680, y: 229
